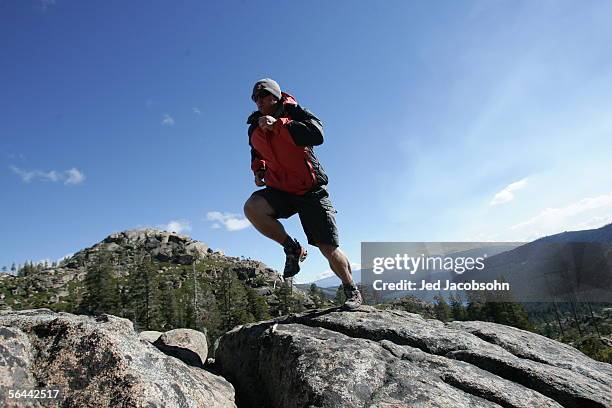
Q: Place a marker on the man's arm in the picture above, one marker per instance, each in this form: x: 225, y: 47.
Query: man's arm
x: 305, y: 128
x: 258, y: 165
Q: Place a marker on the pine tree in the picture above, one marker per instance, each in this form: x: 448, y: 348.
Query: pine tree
x: 322, y: 297
x: 315, y: 294
x: 501, y: 307
x: 196, y: 308
x: 168, y: 306
x: 475, y: 309
x: 340, y: 296
x: 13, y: 268
x: 284, y: 298
x: 211, y: 316
x: 366, y: 294
x: 458, y: 311
x: 232, y: 300
x: 101, y: 292
x: 144, y: 295
x: 257, y: 305
x: 441, y: 308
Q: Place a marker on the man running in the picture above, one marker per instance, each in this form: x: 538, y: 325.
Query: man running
x: 282, y: 135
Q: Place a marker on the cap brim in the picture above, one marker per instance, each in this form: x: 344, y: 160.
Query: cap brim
x: 254, y: 96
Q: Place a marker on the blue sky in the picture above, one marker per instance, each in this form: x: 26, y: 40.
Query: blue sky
x: 444, y: 121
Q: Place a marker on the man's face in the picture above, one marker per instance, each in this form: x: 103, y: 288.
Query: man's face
x: 266, y: 102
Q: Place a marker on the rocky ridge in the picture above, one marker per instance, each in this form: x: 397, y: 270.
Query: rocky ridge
x: 373, y: 358
x: 167, y: 250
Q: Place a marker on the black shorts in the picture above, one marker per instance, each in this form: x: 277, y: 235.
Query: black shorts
x: 315, y: 209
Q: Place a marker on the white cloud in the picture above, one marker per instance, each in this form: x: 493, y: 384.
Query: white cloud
x: 167, y: 120
x: 231, y: 222
x: 72, y: 176
x: 197, y: 111
x: 14, y: 156
x: 507, y: 194
x: 43, y: 5
x: 587, y: 213
x: 178, y: 226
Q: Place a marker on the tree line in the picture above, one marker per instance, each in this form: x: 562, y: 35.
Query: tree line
x: 482, y: 306
x: 199, y: 296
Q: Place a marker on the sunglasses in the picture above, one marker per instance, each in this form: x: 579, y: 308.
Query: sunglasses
x: 260, y: 94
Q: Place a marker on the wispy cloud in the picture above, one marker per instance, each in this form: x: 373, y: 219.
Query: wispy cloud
x: 74, y: 176
x: 197, y: 111
x: 167, y: 120
x: 589, y: 212
x: 178, y: 226
x: 231, y: 222
x: 15, y: 156
x: 507, y: 194
x: 71, y: 176
x: 43, y: 5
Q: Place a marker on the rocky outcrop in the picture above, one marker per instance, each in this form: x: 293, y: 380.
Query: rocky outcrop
x: 162, y: 245
x: 413, y: 304
x: 171, y: 255
x: 189, y: 346
x: 373, y: 358
x: 98, y: 362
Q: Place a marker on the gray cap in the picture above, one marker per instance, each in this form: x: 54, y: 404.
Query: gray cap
x: 266, y: 84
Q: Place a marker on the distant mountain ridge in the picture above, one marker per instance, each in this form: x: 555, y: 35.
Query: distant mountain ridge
x: 555, y: 268
x: 602, y: 234
x: 334, y: 281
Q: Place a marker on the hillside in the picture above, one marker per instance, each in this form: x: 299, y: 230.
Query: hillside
x: 159, y: 280
x: 567, y: 267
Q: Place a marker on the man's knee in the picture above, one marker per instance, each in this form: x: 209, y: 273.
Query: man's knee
x: 256, y: 206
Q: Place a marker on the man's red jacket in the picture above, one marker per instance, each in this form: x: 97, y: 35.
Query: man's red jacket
x: 286, y: 152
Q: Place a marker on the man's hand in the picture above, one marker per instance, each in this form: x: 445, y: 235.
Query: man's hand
x: 259, y: 178
x: 267, y: 122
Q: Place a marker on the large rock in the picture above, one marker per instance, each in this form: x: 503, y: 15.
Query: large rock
x: 150, y: 335
x: 16, y: 360
x: 187, y: 345
x: 164, y: 246
x: 373, y: 358
x: 98, y: 362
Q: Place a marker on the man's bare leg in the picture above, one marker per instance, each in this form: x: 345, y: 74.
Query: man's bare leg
x: 342, y: 268
x: 338, y: 262
x: 260, y: 214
